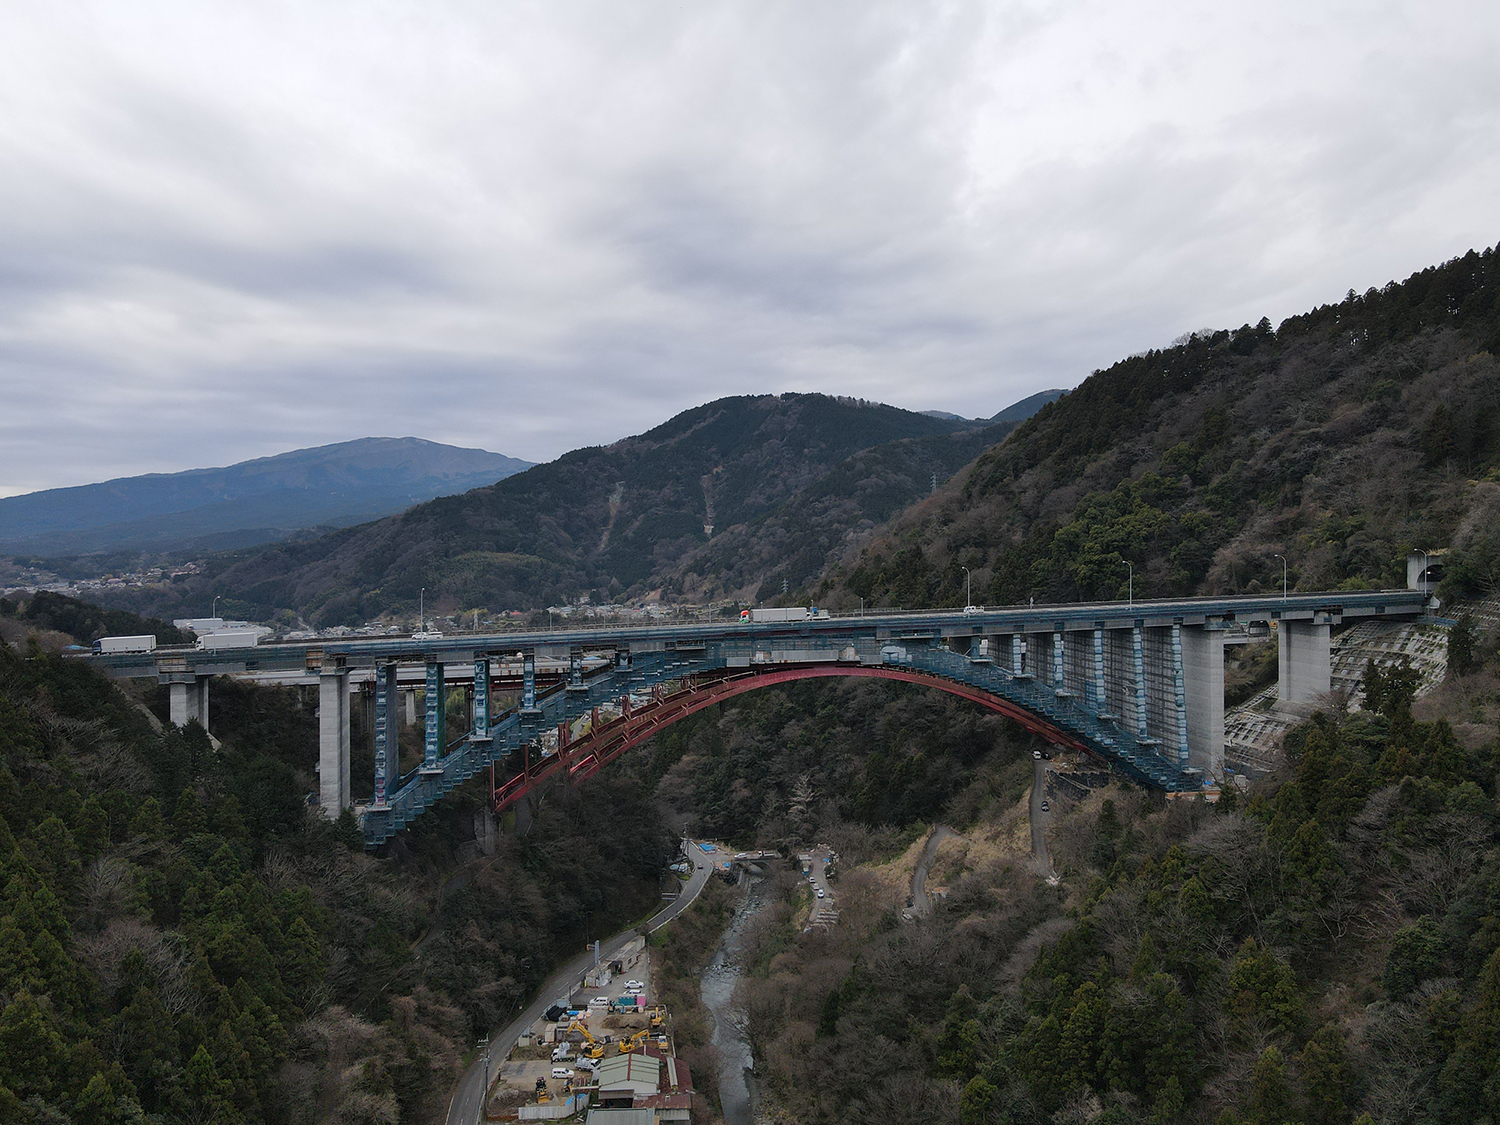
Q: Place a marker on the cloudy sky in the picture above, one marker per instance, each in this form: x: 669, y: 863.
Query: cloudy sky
x: 228, y: 230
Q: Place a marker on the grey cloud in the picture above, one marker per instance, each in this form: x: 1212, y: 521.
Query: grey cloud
x: 231, y: 230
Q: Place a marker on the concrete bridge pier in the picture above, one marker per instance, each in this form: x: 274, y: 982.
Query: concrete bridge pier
x: 187, y: 699
x: 1304, y: 669
x: 435, y: 742
x: 333, y: 741
x: 1203, y: 689
x: 387, y: 746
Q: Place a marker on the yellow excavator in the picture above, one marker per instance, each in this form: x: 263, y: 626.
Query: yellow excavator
x: 594, y: 1049
x: 657, y: 1015
x: 542, y: 1096
x: 635, y: 1041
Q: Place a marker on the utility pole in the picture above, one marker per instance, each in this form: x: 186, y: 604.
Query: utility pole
x: 1130, y: 587
x: 934, y: 483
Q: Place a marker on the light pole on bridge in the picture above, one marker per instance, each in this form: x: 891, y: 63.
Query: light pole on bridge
x: 1426, y: 565
x: 1130, y: 584
x: 968, y: 599
x: 1283, y: 576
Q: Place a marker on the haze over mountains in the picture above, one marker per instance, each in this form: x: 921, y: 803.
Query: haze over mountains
x: 252, y: 502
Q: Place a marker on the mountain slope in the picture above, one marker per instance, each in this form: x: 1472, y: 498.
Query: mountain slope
x: 253, y: 501
x: 602, y: 521
x: 1342, y: 439
x: 1018, y: 412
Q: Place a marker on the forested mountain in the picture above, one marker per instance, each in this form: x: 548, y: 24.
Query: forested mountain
x: 255, y: 501
x: 602, y: 521
x: 1325, y: 951
x: 1340, y: 439
x: 182, y: 940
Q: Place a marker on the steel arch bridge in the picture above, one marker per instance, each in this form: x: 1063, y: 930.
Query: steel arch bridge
x: 1139, y: 685
x: 579, y: 757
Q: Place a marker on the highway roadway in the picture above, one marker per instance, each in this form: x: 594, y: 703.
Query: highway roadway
x: 467, y: 1102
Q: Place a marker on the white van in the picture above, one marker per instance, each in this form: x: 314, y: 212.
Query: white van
x: 561, y: 1072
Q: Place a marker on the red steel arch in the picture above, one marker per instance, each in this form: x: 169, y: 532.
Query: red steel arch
x: 607, y: 741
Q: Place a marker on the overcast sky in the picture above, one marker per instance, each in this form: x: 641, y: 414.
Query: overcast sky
x: 229, y: 230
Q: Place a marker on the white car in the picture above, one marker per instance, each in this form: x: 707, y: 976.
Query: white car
x: 599, y: 1002
x: 821, y: 894
x: 634, y: 984
x: 561, y: 1072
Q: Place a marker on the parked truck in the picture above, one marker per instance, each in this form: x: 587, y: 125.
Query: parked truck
x: 213, y: 642
x: 125, y: 644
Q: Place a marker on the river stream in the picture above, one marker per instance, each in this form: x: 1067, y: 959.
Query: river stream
x: 736, y: 1086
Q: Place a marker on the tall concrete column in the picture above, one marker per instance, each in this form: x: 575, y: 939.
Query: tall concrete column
x: 1179, y: 691
x: 387, y: 746
x: 409, y: 697
x: 187, y: 699
x: 528, y: 682
x: 1099, y: 692
x: 1203, y: 680
x: 481, y: 699
x: 1138, y: 658
x: 1057, y: 659
x: 1015, y: 654
x: 1303, y: 661
x: 333, y: 741
x: 435, y: 742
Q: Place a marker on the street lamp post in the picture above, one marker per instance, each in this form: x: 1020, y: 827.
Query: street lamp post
x: 968, y: 600
x: 214, y: 609
x: 1130, y: 584
x: 1283, y: 576
x: 422, y: 610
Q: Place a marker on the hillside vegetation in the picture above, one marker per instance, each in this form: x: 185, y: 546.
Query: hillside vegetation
x: 1341, y: 439
x: 183, y: 941
x: 1327, y: 949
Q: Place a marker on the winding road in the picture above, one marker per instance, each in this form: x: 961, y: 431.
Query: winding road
x: 921, y: 904
x: 468, y: 1096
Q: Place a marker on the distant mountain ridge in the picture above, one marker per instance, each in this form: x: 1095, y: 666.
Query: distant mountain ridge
x: 254, y: 501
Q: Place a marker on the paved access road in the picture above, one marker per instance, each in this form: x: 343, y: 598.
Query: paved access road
x: 468, y: 1096
x: 921, y: 903
x: 1039, y: 822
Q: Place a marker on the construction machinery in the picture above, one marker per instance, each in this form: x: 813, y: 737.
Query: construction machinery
x: 593, y: 1048
x: 635, y: 1041
x: 657, y: 1015
x: 542, y: 1096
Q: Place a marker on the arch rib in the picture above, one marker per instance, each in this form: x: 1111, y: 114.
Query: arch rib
x: 595, y: 750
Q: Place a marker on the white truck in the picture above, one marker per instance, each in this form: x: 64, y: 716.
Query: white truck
x: 787, y: 613
x: 125, y: 644
x: 212, y: 642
